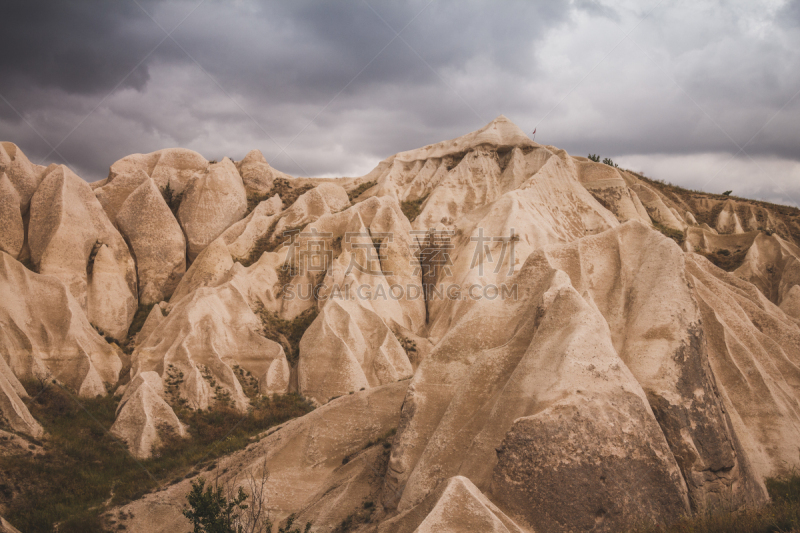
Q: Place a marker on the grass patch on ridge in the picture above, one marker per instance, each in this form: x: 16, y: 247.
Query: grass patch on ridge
x: 84, y: 469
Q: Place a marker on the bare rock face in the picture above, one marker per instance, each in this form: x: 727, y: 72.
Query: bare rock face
x: 157, y: 242
x: 348, y: 348
x: 543, y: 462
x: 728, y: 221
x: 112, y: 195
x: 143, y: 417
x: 172, y: 166
x: 45, y: 334
x: 5, y: 527
x: 12, y: 230
x: 204, y: 339
x: 67, y: 227
x: 606, y: 184
x: 655, y: 206
x: 106, y: 288
x: 307, y: 454
x: 324, y: 199
x: 257, y: 176
x: 752, y: 352
x: 772, y: 265
x: 208, y: 270
x: 243, y: 237
x: 213, y: 201
x: 24, y: 176
x: 658, y: 335
x: 457, y: 505
x: 504, y: 338
x: 543, y: 356
x: 13, y: 411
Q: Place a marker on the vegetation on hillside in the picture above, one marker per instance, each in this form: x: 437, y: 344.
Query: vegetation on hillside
x: 217, y: 510
x: 361, y: 189
x: 726, y: 260
x: 782, y: 515
x: 173, y: 199
x: 412, y: 208
x: 788, y: 216
x: 83, y: 470
x: 675, y: 235
x: 287, y: 333
x: 285, y: 189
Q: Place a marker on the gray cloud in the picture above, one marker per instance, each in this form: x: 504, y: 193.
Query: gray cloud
x: 331, y: 83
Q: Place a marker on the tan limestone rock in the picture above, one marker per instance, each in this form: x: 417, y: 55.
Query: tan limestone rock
x: 144, y: 419
x: 157, y: 242
x: 67, y: 226
x: 213, y: 201
x: 13, y: 411
x: 24, y: 176
x: 114, y: 194
x: 45, y: 334
x: 12, y: 230
x: 456, y: 506
x: 208, y: 270
x: 110, y: 304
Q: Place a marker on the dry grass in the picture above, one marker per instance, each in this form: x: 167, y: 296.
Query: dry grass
x: 84, y: 470
x: 675, y: 235
x: 287, y: 333
x: 284, y: 188
x: 788, y: 217
x: 412, y: 208
x: 780, y: 516
x: 726, y: 260
x: 361, y: 189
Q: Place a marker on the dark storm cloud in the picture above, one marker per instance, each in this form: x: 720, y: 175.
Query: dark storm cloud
x: 328, y: 87
x: 78, y: 47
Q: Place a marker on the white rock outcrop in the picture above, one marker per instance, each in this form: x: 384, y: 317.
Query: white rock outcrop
x: 144, y: 420
x: 24, y: 175
x: 12, y: 230
x: 45, y: 334
x: 213, y: 201
x: 13, y: 411
x: 68, y: 227
x: 156, y: 240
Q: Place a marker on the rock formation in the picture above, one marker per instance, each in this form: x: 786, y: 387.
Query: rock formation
x: 156, y: 241
x: 212, y: 202
x: 68, y: 230
x: 45, y: 334
x: 498, y: 336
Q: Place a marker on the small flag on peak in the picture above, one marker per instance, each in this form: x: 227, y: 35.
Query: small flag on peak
x: 534, y: 133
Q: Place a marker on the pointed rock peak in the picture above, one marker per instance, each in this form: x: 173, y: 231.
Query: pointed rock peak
x: 8, y: 151
x: 254, y: 156
x: 502, y: 131
x: 499, y: 133
x: 356, y: 224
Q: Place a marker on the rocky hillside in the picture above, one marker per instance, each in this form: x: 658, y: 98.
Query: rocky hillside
x: 498, y: 336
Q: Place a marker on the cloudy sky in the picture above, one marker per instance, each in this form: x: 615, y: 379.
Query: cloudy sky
x: 699, y: 93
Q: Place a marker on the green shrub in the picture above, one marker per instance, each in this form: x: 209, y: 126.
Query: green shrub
x: 412, y: 208
x: 726, y: 260
x: 361, y: 189
x: 675, y: 235
x: 287, y: 333
x: 83, y: 469
x: 211, y: 512
x: 284, y: 188
x: 173, y: 199
x: 782, y: 515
